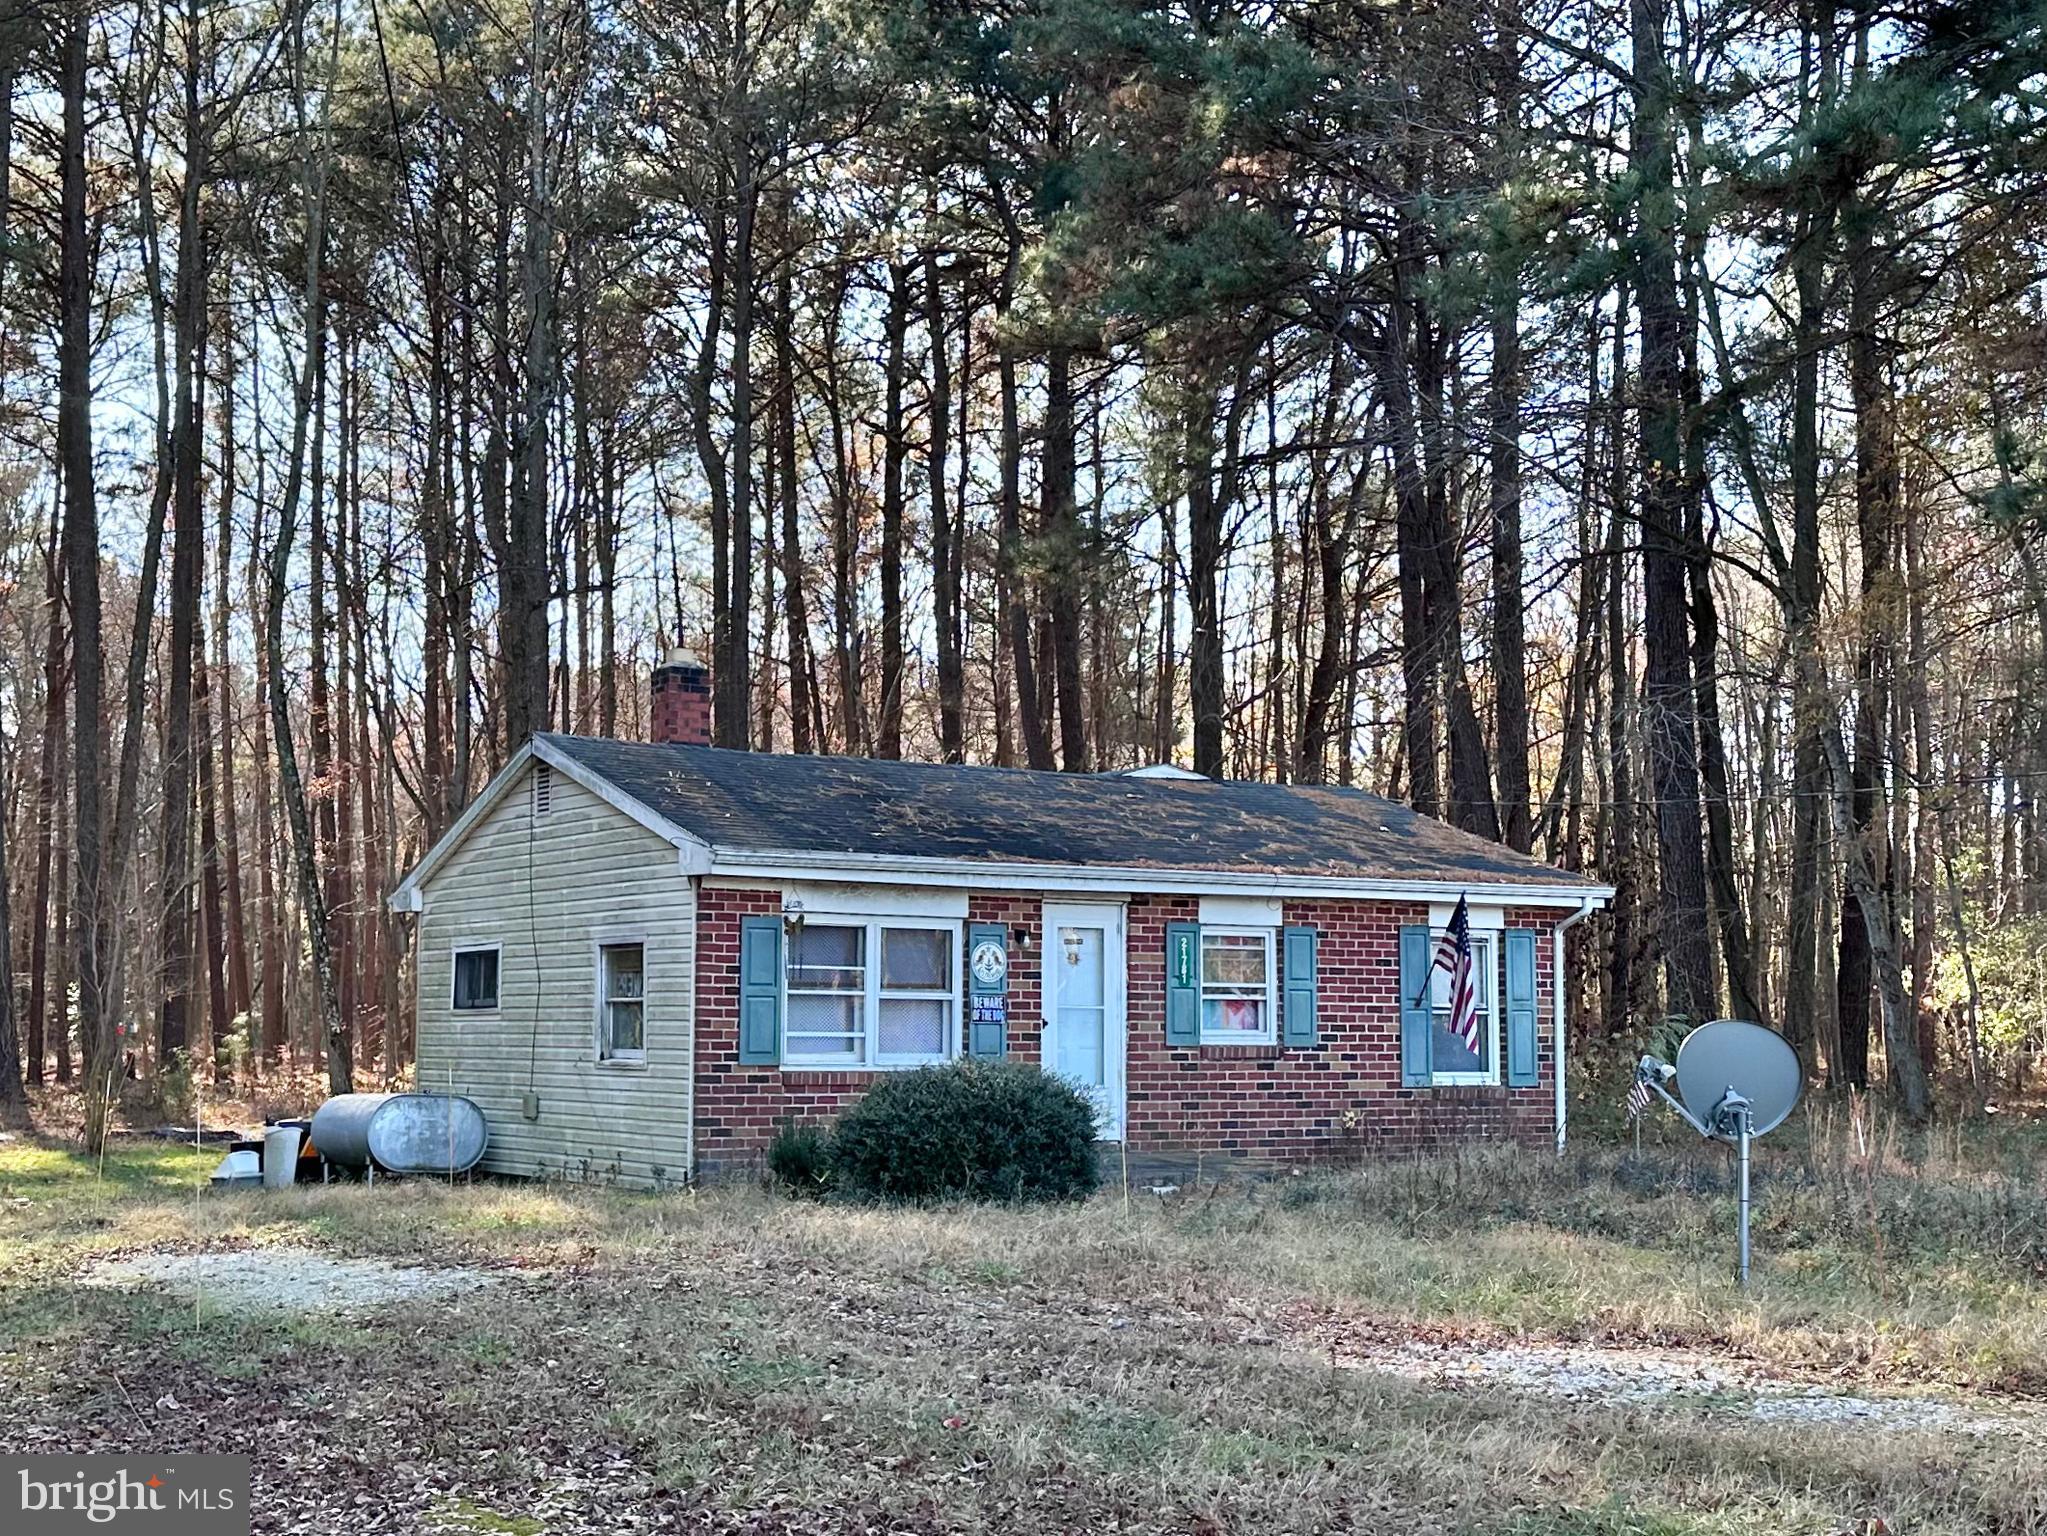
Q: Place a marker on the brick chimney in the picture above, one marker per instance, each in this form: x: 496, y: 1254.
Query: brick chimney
x: 682, y: 701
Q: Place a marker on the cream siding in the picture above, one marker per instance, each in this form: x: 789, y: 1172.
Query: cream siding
x: 549, y: 889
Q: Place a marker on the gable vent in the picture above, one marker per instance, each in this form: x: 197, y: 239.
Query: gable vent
x: 543, y: 790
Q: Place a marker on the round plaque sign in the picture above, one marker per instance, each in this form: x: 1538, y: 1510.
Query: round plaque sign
x: 990, y: 962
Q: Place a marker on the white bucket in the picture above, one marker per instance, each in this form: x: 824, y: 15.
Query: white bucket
x: 280, y: 1156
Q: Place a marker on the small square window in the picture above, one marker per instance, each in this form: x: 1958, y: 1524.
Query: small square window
x: 476, y: 980
x: 1236, y: 986
x: 622, y: 1022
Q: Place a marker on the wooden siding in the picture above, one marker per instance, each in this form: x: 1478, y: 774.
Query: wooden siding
x: 550, y: 889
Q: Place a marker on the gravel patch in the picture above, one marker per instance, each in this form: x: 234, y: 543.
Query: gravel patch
x: 280, y: 1279
x: 1590, y: 1373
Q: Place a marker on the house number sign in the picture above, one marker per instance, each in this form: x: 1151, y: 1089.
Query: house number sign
x: 1183, y: 960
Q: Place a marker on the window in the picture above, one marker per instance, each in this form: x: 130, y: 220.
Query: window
x: 827, y: 983
x: 476, y: 979
x: 622, y: 1002
x: 1236, y: 986
x: 1454, y: 1062
x: 874, y: 994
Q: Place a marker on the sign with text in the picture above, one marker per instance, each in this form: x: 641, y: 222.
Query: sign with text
x: 124, y: 1495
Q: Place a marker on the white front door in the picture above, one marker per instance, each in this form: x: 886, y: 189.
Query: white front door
x: 1084, y: 1003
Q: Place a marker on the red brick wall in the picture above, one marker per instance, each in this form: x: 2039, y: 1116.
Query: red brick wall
x: 738, y: 1107
x: 1021, y: 915
x: 1339, y: 1097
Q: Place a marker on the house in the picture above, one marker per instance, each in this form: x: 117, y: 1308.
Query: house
x: 640, y: 958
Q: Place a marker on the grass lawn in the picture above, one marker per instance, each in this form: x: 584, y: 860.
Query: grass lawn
x: 732, y: 1361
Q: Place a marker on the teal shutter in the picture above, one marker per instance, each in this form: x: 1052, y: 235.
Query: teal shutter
x: 1522, y: 1064
x: 760, y: 991
x: 1297, y: 972
x: 1183, y: 984
x: 988, y: 1002
x: 1416, y: 952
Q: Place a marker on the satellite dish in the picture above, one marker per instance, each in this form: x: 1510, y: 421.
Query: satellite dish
x: 1738, y: 1080
x: 1735, y: 1056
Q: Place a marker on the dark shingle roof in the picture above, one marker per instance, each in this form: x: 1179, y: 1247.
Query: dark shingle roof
x: 758, y: 801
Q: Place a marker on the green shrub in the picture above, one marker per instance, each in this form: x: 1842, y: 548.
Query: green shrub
x: 800, y: 1157
x: 972, y: 1130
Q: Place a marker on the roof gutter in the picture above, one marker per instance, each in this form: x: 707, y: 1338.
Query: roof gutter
x: 901, y: 869
x: 1585, y: 910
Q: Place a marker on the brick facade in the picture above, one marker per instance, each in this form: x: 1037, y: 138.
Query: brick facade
x: 1339, y: 1097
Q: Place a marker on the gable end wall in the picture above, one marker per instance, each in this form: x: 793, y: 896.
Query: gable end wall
x: 549, y: 889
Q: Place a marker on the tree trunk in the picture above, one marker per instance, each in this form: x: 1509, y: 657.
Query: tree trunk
x: 1729, y: 919
x: 1924, y: 801
x: 189, y: 314
x: 1809, y: 704
x: 1013, y: 578
x: 889, y: 734
x: 42, y: 1029
x: 1331, y: 553
x: 795, y: 618
x: 270, y: 1032
x: 523, y: 575
x: 62, y: 871
x: 1622, y: 981
x: 312, y: 898
x: 845, y: 531
x: 82, y: 580
x: 13, y: 1096
x: 235, y: 933
x: 1876, y: 498
x: 1871, y: 903
x: 1668, y: 700
x: 220, y: 1025
x: 733, y: 689
x: 1420, y: 671
x: 1205, y: 514
x: 1165, y: 730
x: 947, y: 596
x: 1510, y: 658
x: 1063, y: 562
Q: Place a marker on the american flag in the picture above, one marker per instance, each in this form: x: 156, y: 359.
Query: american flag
x: 1453, y: 954
x: 1639, y: 1097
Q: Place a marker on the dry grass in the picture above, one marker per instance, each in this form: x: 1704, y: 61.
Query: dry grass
x: 732, y: 1361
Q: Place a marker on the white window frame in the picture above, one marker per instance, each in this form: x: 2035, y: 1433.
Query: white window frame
x: 600, y: 1045
x: 463, y: 947
x: 1268, y: 1035
x: 1485, y: 956
x: 871, y: 994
